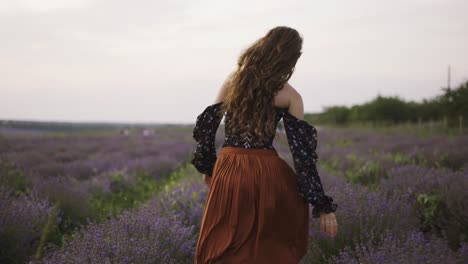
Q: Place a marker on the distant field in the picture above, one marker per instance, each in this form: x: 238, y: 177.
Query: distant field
x: 128, y: 195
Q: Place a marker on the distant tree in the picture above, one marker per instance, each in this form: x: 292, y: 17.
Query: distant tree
x: 392, y: 109
x: 337, y: 114
x: 455, y: 101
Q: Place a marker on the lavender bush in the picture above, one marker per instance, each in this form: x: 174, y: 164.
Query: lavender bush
x: 84, y: 157
x: 348, y: 150
x: 22, y: 222
x: 415, y: 247
x: 71, y: 196
x: 185, y: 200
x: 364, y: 215
x: 90, y: 162
x: 137, y: 236
x: 13, y: 178
x: 440, y: 199
x: 73, y: 171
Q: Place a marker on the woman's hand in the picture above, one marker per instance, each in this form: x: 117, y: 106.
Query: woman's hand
x: 328, y: 224
x: 207, y: 179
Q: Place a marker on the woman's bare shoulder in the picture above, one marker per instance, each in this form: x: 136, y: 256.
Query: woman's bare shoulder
x: 287, y: 96
x: 293, y: 93
x: 291, y: 99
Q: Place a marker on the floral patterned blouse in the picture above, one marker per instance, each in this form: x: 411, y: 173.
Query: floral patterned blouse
x: 302, y: 140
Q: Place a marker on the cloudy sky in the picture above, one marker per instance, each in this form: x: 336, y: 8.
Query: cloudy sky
x: 164, y: 61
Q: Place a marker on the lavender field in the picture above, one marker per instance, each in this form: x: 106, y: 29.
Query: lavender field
x: 136, y: 199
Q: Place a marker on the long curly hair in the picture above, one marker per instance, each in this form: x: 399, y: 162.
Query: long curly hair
x: 263, y: 69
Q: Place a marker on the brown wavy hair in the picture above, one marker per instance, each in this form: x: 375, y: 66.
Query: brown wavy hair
x: 263, y: 69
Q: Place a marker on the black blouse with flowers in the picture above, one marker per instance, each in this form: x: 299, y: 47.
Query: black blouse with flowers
x: 302, y: 140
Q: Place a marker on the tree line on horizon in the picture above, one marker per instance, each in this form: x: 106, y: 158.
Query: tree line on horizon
x: 450, y: 107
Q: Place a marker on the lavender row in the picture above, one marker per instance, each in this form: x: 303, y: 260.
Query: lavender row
x: 85, y: 157
x: 75, y: 173
x: 434, y: 151
x: 367, y: 218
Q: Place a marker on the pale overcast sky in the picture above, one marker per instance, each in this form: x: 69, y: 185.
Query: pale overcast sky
x: 164, y: 61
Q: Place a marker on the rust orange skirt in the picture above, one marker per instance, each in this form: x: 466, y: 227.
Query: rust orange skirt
x: 253, y: 212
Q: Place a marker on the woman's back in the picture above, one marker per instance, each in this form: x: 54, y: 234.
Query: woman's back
x: 287, y: 99
x: 236, y: 140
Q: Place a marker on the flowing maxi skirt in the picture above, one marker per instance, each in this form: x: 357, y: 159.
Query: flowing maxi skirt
x: 253, y: 212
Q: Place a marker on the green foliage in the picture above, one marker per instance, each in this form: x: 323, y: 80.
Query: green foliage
x: 390, y: 110
x: 455, y: 101
x: 442, y: 212
x: 429, y: 206
x: 400, y: 158
x: 50, y: 232
x: 331, y: 165
x: 450, y: 161
x: 343, y: 143
x: 125, y: 194
x: 363, y: 171
x: 336, y: 114
x: 359, y: 170
x: 122, y: 196
x: 13, y: 177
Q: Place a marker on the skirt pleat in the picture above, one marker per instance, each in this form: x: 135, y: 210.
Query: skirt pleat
x: 253, y: 212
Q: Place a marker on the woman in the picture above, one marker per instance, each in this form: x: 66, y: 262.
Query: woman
x: 257, y: 209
